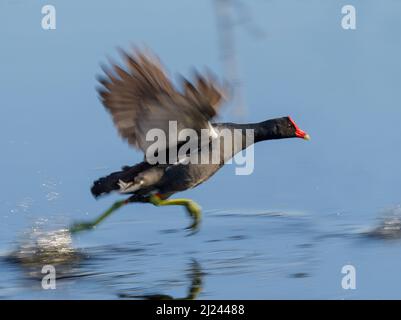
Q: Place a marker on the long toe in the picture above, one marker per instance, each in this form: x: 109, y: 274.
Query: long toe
x: 193, y: 227
x: 81, y: 226
x: 194, y: 210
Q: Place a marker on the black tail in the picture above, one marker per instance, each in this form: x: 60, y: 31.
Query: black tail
x: 110, y: 183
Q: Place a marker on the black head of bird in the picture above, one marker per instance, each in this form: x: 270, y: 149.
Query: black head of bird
x: 141, y: 97
x: 280, y: 128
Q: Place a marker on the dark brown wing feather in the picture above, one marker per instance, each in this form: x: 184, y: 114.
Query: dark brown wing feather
x: 141, y: 97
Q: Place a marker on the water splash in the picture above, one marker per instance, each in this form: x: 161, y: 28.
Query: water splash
x: 37, y: 248
x: 389, y: 225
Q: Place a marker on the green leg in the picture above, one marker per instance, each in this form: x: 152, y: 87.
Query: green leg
x: 82, y: 226
x: 192, y: 207
x: 196, y: 285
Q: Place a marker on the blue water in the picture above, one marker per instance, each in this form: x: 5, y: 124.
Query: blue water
x: 285, y: 231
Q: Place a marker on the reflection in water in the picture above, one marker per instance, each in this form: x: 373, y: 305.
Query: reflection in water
x: 38, y: 248
x: 195, y: 274
x: 249, y: 245
x: 273, y: 247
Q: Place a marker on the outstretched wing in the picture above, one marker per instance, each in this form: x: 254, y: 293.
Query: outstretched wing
x: 141, y: 97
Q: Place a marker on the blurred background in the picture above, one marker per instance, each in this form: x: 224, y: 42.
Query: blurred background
x: 285, y: 231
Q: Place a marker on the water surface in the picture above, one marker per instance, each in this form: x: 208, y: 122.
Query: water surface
x: 285, y: 231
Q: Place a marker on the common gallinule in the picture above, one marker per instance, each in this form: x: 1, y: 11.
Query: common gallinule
x: 141, y: 97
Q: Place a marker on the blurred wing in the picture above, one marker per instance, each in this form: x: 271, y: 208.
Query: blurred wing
x: 142, y: 98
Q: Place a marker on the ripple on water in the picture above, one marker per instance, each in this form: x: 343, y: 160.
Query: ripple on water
x: 156, y: 268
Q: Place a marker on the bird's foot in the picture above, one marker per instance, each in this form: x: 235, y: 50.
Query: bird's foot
x: 81, y: 226
x: 89, y: 225
x: 193, y: 209
x: 195, y: 212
